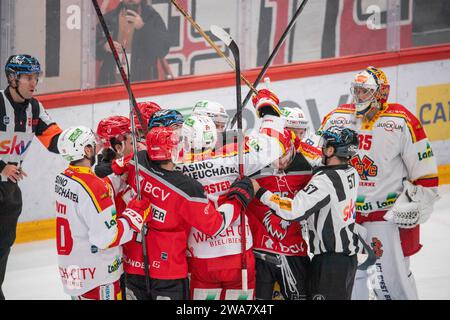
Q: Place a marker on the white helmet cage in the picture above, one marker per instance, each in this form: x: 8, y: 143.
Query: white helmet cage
x: 72, y: 141
x: 199, y: 133
x: 211, y: 109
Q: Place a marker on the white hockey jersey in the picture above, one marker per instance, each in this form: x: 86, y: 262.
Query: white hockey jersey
x: 217, y: 171
x: 88, y: 234
x: 392, y: 146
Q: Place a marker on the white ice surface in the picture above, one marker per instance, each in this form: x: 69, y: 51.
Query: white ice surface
x: 32, y: 271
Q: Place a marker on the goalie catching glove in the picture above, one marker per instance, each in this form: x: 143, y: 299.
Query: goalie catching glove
x: 413, y: 206
x: 266, y: 102
x: 242, y: 190
x: 136, y: 213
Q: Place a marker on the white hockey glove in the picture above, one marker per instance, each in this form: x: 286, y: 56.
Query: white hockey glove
x: 136, y: 213
x: 413, y: 206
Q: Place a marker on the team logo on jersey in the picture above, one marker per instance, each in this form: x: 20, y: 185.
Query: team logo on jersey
x: 366, y: 167
x: 390, y: 126
x: 377, y: 247
x: 6, y: 120
x: 427, y: 154
x: 341, y: 121
x: 349, y: 211
x: 275, y: 226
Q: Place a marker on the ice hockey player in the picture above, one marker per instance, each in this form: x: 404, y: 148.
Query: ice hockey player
x: 279, y: 247
x: 215, y: 262
x: 88, y: 231
x: 217, y: 113
x: 297, y: 122
x: 132, y: 251
x: 22, y: 118
x: 398, y: 182
x: 178, y: 203
x: 115, y: 133
x: 328, y: 205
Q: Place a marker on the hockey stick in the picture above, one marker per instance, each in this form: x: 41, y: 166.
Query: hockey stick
x: 229, y: 42
x: 211, y: 43
x: 133, y: 104
x: 271, y: 57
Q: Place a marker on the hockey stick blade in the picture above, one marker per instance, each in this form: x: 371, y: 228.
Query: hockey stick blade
x: 221, y: 34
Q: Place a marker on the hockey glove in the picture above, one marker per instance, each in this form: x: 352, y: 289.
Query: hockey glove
x: 266, y: 103
x: 242, y: 190
x: 413, y: 206
x: 136, y: 213
x: 120, y: 166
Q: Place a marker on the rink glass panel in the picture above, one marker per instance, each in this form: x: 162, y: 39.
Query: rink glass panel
x: 61, y: 33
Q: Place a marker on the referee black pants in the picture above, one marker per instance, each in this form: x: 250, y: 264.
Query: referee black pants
x: 10, y: 209
x: 332, y: 276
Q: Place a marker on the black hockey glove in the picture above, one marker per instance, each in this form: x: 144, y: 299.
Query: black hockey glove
x: 242, y: 190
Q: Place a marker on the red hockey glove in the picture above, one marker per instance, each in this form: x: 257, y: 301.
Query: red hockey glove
x: 266, y: 102
x: 242, y: 190
x: 136, y: 213
x: 120, y: 166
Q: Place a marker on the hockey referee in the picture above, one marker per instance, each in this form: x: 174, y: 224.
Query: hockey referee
x: 328, y: 205
x: 21, y: 118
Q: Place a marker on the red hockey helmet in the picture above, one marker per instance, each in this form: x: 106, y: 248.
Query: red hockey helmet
x: 147, y: 108
x: 163, y: 144
x: 113, y: 127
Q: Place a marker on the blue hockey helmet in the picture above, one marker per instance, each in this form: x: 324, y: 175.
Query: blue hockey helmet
x: 165, y: 118
x: 344, y: 141
x: 21, y: 64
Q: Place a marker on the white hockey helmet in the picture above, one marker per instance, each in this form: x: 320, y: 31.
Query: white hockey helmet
x: 295, y: 118
x: 72, y: 141
x: 211, y: 109
x: 198, y: 132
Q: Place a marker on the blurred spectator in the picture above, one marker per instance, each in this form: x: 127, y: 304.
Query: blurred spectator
x: 137, y: 27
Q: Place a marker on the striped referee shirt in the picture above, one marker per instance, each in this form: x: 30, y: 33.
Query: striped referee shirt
x: 328, y: 205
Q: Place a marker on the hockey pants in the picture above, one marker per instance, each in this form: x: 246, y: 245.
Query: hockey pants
x: 10, y: 209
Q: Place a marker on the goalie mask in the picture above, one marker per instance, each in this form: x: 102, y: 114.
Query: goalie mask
x: 199, y: 134
x: 368, y: 87
x: 213, y: 110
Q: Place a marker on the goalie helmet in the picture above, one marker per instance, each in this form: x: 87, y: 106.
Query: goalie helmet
x: 199, y: 133
x: 369, y: 86
x: 344, y: 141
x: 113, y: 127
x: 21, y: 64
x: 212, y: 109
x: 72, y: 141
x: 163, y: 144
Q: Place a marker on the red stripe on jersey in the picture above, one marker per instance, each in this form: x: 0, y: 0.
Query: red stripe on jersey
x: 428, y: 182
x: 414, y: 125
x: 119, y: 234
